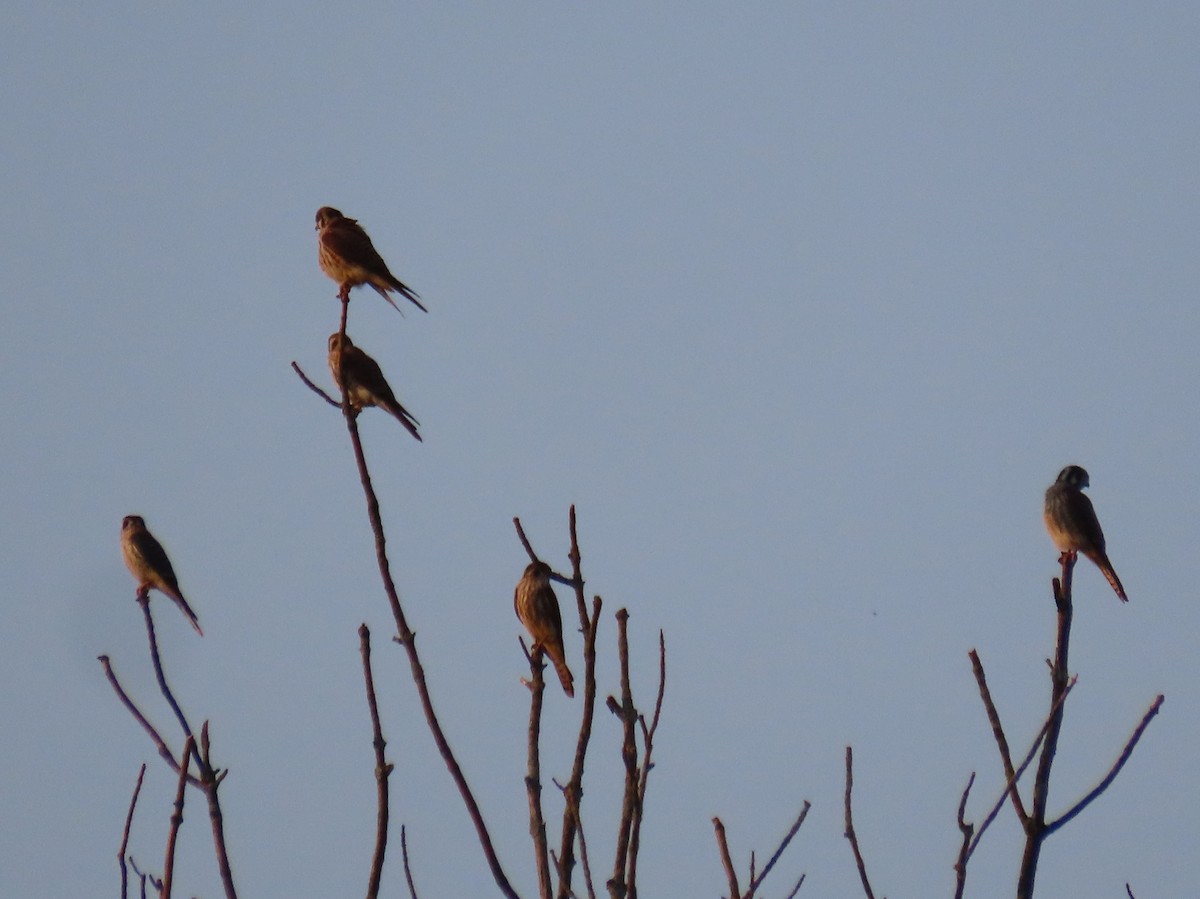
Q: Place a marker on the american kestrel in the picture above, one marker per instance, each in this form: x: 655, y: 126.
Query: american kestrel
x: 537, y: 607
x: 148, y: 563
x: 1073, y: 525
x: 365, y: 383
x: 347, y: 255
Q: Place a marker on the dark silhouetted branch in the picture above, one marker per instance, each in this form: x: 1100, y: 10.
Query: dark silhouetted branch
x: 407, y: 638
x: 1011, y: 786
x: 646, y: 765
x: 618, y: 885
x: 1113, y: 772
x: 314, y: 388
x: 382, y: 768
x: 756, y: 882
x: 159, y: 743
x: 189, y: 746
x: 850, y: 834
x: 408, y: 878
x: 967, y: 829
x: 125, y: 835
x: 533, y: 773
x: 997, y: 732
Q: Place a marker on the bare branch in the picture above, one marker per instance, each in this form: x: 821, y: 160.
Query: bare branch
x: 210, y: 781
x: 314, y: 388
x: 998, y: 732
x: 625, y: 710
x: 125, y: 836
x: 408, y: 878
x: 159, y: 674
x: 850, y: 834
x: 524, y: 540
x: 960, y: 865
x: 533, y: 774
x: 1011, y: 786
x: 573, y: 791
x: 406, y: 637
x: 382, y: 768
x: 176, y: 818
x: 646, y: 766
x: 796, y: 888
x: 735, y: 891
x: 159, y: 742
x: 756, y: 882
x: 1113, y: 772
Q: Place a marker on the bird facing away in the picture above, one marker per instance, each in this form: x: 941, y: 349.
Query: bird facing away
x: 537, y: 607
x: 365, y: 383
x: 1073, y: 525
x: 148, y: 563
x: 347, y: 255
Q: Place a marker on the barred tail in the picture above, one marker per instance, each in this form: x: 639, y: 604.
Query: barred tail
x: 564, y: 673
x: 1110, y: 573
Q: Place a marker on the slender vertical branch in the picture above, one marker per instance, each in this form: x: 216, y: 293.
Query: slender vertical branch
x: 210, y: 781
x: 625, y: 710
x: 533, y: 774
x: 1035, y: 825
x: 573, y: 791
x: 382, y: 768
x: 967, y: 829
x: 137, y: 789
x: 646, y: 765
x: 850, y: 834
x: 408, y: 878
x: 176, y: 817
x: 406, y: 638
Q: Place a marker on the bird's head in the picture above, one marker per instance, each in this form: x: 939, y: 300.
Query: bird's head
x: 327, y: 214
x: 1074, y: 476
x: 132, y: 522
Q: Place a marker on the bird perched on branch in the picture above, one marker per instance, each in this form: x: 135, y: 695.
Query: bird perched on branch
x: 365, y: 383
x: 537, y: 607
x: 1073, y: 525
x: 347, y: 256
x: 148, y: 563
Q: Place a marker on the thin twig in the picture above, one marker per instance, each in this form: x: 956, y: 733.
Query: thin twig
x: 524, y: 540
x: 159, y: 742
x: 646, y: 766
x: 382, y: 768
x: 125, y: 836
x: 756, y: 882
x: 154, y: 882
x: 176, y: 817
x: 408, y: 878
x: 159, y: 674
x: 314, y: 388
x: 407, y: 638
x: 850, y: 834
x: 997, y: 732
x: 1113, y: 772
x: 726, y: 861
x: 967, y: 830
x: 796, y: 888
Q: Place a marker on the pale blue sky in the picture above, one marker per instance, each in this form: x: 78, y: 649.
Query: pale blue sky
x: 803, y: 306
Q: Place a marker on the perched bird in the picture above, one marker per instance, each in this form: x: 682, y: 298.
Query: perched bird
x: 1073, y: 525
x: 148, y: 563
x: 365, y: 383
x: 537, y: 607
x: 347, y: 255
